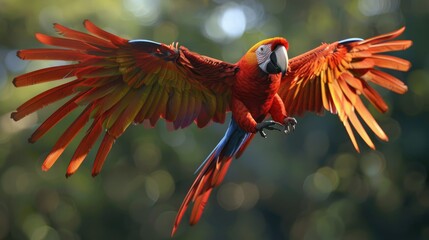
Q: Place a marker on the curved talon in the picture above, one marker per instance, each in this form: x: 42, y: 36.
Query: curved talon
x: 269, y: 125
x: 290, y: 124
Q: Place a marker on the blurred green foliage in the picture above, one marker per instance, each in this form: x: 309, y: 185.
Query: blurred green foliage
x: 307, y: 185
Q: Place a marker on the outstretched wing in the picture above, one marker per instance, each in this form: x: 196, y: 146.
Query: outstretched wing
x: 334, y: 76
x: 121, y: 82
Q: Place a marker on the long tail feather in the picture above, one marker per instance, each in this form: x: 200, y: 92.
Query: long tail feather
x: 212, y: 172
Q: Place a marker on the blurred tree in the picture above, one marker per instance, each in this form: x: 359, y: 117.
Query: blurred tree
x: 312, y: 185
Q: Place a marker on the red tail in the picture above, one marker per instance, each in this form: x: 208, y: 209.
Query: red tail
x: 212, y: 172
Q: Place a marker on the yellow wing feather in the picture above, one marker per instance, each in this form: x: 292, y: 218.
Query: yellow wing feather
x: 342, y: 72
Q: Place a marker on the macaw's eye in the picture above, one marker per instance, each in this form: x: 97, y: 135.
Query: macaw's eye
x: 262, y: 53
x: 262, y: 50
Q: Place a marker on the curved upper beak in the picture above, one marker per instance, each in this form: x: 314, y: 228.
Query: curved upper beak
x: 282, y: 58
x: 277, y: 62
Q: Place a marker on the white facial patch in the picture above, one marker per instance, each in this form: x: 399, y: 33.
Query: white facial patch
x: 263, y: 53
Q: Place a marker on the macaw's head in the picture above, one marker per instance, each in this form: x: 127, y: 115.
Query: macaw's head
x: 270, y: 55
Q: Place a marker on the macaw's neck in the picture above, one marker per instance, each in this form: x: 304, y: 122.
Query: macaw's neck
x: 255, y: 88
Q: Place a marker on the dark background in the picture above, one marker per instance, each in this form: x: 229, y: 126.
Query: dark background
x: 311, y: 184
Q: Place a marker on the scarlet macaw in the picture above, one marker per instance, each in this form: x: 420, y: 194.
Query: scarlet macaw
x: 123, y: 82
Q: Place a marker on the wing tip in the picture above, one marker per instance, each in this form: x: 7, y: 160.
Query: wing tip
x: 357, y: 149
x: 31, y: 139
x: 13, y: 116
x: 87, y: 23
x: 19, y: 54
x: 173, y: 231
x: 16, y: 83
x: 45, y: 168
x: 40, y: 36
x: 95, y: 173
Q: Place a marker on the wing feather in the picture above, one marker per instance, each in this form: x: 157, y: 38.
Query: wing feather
x: 335, y: 76
x: 121, y: 82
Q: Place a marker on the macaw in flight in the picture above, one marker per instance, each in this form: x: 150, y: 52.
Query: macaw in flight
x: 121, y: 82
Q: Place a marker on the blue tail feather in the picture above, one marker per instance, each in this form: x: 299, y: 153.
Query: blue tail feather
x: 229, y: 145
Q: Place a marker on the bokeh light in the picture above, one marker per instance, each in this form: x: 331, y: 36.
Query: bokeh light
x: 146, y: 11
x: 230, y: 20
x: 377, y: 7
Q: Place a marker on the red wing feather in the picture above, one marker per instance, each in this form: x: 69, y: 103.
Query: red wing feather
x: 334, y: 76
x: 121, y: 82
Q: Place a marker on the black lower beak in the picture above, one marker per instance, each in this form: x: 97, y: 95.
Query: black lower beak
x: 272, y: 66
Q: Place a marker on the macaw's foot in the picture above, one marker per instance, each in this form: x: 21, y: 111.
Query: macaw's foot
x: 269, y: 125
x: 289, y: 124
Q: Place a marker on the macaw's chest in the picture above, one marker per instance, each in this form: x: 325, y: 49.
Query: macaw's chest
x: 257, y: 93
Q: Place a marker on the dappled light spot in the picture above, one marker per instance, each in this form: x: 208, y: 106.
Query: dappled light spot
x: 266, y: 189
x: 415, y: 179
x: 417, y: 84
x: 326, y: 179
x: 159, y: 185
x: 359, y: 188
x: 13, y: 63
x: 233, y: 22
x: 377, y: 7
x: 152, y: 189
x: 345, y: 209
x: 119, y: 185
x: 230, y: 20
x: 45, y: 232
x: 146, y: 11
x: 418, y: 96
x: 372, y: 163
x: 47, y: 200
x: 311, y: 190
x: 230, y: 196
x: 394, y: 129
x: 251, y: 195
x: 49, y: 14
x: 9, y: 126
x: 66, y: 215
x: 16, y: 181
x: 164, y: 183
x: 225, y: 23
x: 32, y: 223
x: 173, y: 138
x: 4, y: 77
x: 320, y: 224
x: 321, y: 183
x: 328, y: 226
x: 147, y: 156
x: 345, y: 165
x: 166, y: 32
x: 388, y: 198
